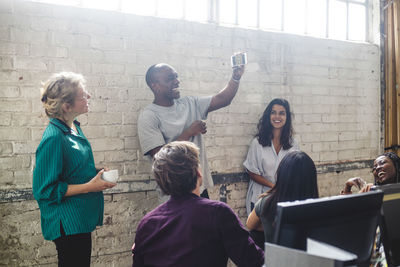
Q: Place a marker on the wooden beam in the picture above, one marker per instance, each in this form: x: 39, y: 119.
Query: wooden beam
x: 396, y: 37
x: 390, y: 123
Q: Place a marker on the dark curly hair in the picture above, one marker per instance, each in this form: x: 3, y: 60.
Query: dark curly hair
x: 175, y: 167
x: 265, y: 135
x: 396, y: 162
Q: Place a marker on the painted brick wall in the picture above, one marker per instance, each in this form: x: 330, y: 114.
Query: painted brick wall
x: 333, y: 88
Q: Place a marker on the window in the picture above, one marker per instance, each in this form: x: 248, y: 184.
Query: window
x: 196, y: 10
x: 247, y: 13
x: 336, y: 19
x: 316, y: 18
x: 294, y: 16
x: 100, y: 4
x: 271, y: 14
x: 169, y: 9
x: 227, y: 11
x: 136, y: 7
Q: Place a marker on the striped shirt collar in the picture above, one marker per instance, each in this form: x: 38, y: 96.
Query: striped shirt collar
x: 62, y: 125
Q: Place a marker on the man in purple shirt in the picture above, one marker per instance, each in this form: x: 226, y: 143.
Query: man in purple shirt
x: 189, y: 230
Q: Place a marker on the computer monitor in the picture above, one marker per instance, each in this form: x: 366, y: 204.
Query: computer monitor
x: 318, y: 254
x: 348, y: 222
x: 390, y: 223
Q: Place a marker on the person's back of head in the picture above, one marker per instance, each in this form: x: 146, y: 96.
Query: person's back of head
x: 175, y: 168
x: 296, y: 179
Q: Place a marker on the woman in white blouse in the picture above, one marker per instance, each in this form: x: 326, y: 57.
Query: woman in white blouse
x: 272, y: 142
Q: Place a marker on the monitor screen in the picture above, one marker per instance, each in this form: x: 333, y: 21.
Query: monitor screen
x: 348, y: 222
x: 390, y: 224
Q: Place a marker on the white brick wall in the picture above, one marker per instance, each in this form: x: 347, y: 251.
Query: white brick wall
x: 332, y: 86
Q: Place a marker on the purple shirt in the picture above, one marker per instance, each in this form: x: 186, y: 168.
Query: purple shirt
x: 194, y: 231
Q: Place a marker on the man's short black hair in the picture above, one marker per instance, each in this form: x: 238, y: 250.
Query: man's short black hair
x: 152, y: 71
x: 150, y: 75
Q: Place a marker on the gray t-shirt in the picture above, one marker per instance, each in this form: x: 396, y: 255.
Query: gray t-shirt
x: 158, y: 125
x: 267, y: 224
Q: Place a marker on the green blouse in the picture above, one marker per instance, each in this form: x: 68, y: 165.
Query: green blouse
x: 62, y: 158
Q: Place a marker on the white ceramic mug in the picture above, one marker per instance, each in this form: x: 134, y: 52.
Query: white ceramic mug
x: 110, y: 176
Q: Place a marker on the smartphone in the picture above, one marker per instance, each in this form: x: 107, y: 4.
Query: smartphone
x: 239, y: 59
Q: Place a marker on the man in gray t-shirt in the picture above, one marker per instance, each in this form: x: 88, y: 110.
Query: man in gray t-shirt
x: 171, y: 118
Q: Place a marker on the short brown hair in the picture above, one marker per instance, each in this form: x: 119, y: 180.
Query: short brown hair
x: 175, y: 167
x: 59, y: 89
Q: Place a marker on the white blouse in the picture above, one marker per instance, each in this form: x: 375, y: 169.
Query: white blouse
x: 263, y: 161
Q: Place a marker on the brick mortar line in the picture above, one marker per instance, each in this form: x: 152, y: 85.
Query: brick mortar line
x: 14, y: 195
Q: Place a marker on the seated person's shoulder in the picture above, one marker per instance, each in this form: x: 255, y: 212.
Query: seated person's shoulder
x: 259, y: 206
x: 151, y: 216
x: 216, y: 205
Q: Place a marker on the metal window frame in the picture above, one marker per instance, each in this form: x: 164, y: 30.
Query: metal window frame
x: 214, y: 13
x: 365, y: 4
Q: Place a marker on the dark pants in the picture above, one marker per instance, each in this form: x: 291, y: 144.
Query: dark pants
x: 74, y: 250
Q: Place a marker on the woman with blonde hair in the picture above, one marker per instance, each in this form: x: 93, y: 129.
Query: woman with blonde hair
x: 66, y: 183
